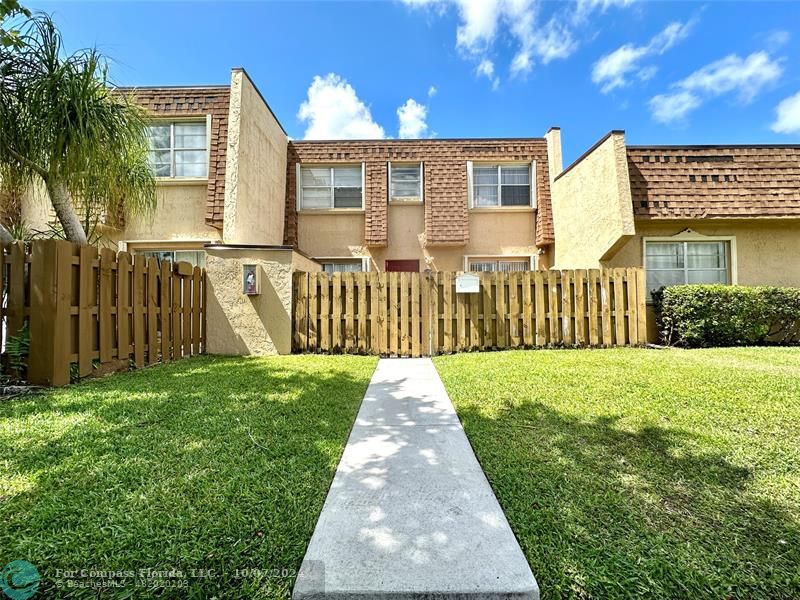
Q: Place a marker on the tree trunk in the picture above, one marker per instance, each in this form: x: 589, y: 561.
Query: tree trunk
x: 5, y: 235
x: 62, y: 203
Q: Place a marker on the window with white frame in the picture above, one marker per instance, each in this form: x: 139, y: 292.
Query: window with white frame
x: 196, y: 258
x: 501, y: 185
x: 342, y: 265
x: 179, y: 149
x: 504, y: 265
x: 405, y: 181
x: 331, y: 187
x: 679, y: 262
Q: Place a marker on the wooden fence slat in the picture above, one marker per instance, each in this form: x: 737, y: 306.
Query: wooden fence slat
x: 462, y: 307
x: 123, y: 305
x: 619, y: 307
x: 186, y: 305
x: 426, y: 315
x: 436, y: 286
x: 177, y: 337
x: 527, y: 310
x: 165, y: 317
x: 361, y: 291
x: 87, y: 290
x: 630, y: 288
x: 552, y: 292
x: 16, y: 289
x: 541, y: 329
x: 566, y: 307
x: 106, y: 322
x: 51, y: 287
x: 152, y: 311
x: 3, y: 248
x: 605, y: 305
x: 447, y: 311
x: 641, y: 305
x: 374, y: 312
x: 500, y: 297
x: 336, y: 312
x: 138, y: 310
x: 313, y: 312
x: 474, y: 321
x: 403, y: 301
x: 488, y: 310
x: 324, y: 312
x: 593, y: 277
x: 300, y: 312
x: 383, y: 315
x: 196, y: 275
x: 349, y: 315
x: 580, y: 307
x: 514, y: 332
x: 415, y: 315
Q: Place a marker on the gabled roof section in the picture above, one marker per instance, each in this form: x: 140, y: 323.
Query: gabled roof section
x: 696, y: 182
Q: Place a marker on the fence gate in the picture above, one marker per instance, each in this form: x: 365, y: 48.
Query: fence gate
x: 411, y: 314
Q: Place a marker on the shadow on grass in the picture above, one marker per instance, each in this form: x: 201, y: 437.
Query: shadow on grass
x: 604, y: 512
x: 210, y: 463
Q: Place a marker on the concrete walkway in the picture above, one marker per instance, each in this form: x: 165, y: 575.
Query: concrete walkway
x: 410, y: 513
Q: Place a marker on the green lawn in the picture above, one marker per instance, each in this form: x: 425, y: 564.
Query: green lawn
x: 629, y: 472
x: 209, y: 463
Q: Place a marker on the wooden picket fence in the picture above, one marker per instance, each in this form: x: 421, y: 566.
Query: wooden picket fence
x: 411, y: 314
x: 86, y: 307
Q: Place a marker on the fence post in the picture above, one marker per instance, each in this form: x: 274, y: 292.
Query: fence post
x: 51, y: 291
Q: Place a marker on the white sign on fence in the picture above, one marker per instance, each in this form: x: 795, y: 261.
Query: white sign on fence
x: 467, y: 283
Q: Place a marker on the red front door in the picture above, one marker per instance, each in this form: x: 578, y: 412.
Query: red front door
x: 409, y: 266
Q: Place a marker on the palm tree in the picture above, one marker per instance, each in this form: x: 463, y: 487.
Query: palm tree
x: 64, y: 126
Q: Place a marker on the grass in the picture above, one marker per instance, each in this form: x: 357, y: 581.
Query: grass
x: 655, y: 473
x: 217, y: 467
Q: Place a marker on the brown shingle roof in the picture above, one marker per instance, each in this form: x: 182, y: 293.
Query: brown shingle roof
x: 669, y: 182
x: 445, y: 177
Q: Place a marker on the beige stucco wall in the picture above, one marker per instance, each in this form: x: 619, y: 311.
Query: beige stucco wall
x: 767, y: 251
x: 255, y: 170
x: 492, y: 232
x: 592, y: 210
x: 239, y: 324
x: 179, y: 215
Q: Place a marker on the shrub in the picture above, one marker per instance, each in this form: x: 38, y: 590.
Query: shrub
x: 727, y: 315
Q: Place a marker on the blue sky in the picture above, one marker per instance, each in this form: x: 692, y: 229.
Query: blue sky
x: 666, y: 72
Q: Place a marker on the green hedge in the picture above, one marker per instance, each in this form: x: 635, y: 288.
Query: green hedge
x: 727, y: 315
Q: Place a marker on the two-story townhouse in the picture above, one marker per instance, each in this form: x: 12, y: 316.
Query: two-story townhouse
x: 412, y: 205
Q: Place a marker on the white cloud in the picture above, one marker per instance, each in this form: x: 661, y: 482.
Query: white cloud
x: 432, y: 91
x: 787, y: 118
x: 483, y: 22
x: 486, y: 69
x: 612, y: 70
x: 412, y: 116
x: 332, y: 110
x: 778, y: 39
x: 745, y: 77
x: 673, y: 107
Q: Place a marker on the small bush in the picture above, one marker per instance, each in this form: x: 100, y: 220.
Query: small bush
x: 727, y: 315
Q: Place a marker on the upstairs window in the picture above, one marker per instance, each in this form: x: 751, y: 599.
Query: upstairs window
x: 405, y: 182
x: 501, y: 185
x: 331, y: 187
x: 676, y: 263
x: 179, y: 149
